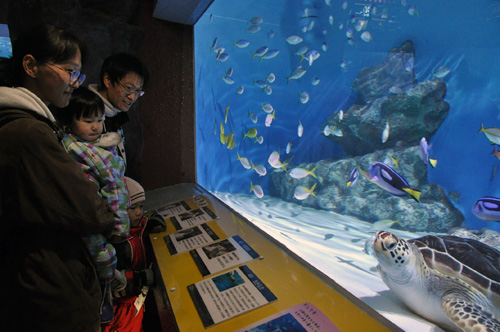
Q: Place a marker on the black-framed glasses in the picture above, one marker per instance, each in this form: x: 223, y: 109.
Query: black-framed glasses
x: 75, y: 76
x: 129, y: 90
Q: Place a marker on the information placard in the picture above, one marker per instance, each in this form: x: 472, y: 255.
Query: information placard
x: 190, y: 238
x: 228, y: 295
x: 304, y: 317
x: 173, y: 209
x: 221, y: 255
x: 192, y: 218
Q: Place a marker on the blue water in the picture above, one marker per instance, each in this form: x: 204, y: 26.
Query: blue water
x: 5, y: 47
x: 458, y: 34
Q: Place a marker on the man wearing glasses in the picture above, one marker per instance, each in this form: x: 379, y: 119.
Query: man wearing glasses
x: 123, y: 78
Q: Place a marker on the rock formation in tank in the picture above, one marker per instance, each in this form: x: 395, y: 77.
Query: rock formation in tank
x: 387, y: 93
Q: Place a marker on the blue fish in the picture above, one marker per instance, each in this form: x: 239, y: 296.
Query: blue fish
x: 312, y: 55
x: 270, y: 54
x: 223, y: 57
x: 302, y: 50
x: 214, y: 45
x: 260, y: 83
x: 256, y: 20
x: 423, y: 152
x: 487, y: 208
x: 241, y: 43
x: 388, y: 179
x: 297, y: 73
x: 260, y: 52
x: 228, y: 80
x: 353, y: 177
x: 253, y: 28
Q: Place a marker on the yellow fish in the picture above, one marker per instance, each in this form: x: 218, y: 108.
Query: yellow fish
x: 302, y: 192
x: 383, y: 224
x: 251, y: 133
x: 395, y: 161
x: 231, y: 143
x: 222, y: 140
x: 492, y: 134
x: 257, y: 190
x: 225, y: 118
x: 299, y: 172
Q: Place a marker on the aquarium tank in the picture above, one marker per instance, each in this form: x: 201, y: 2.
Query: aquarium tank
x: 5, y: 43
x: 325, y: 121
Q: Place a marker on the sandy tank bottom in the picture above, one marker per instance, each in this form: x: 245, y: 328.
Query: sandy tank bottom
x: 335, y: 245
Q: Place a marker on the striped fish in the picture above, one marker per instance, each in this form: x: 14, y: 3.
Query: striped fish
x: 487, y: 208
x: 388, y: 179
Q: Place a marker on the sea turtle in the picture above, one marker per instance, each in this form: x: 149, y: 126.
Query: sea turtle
x: 451, y: 281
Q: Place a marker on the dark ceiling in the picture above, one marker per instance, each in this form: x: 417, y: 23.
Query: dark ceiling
x: 181, y: 11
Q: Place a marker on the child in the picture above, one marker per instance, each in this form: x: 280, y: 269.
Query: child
x: 96, y: 154
x: 129, y: 309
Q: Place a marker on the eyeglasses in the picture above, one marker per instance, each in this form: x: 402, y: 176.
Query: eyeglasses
x: 74, y: 75
x: 129, y: 90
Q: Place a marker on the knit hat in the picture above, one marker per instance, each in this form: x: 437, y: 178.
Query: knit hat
x: 135, y: 191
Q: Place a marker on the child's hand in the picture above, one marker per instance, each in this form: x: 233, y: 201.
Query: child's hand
x: 119, y: 284
x: 156, y: 224
x: 144, y: 278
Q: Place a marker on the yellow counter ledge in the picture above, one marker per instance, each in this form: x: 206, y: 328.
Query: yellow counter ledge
x: 292, y: 280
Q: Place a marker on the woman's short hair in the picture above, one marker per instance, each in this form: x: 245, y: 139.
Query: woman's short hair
x: 46, y: 43
x: 118, y: 65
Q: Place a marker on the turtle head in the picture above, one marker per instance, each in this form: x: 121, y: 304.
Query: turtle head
x: 391, y: 251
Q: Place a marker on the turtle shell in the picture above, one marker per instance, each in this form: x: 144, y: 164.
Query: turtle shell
x: 470, y: 260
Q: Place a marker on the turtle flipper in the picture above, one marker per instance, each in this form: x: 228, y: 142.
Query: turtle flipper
x: 469, y: 317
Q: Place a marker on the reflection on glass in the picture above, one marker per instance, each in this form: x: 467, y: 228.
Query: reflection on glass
x: 324, y: 122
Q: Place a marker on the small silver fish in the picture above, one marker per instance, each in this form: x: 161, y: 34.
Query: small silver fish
x: 256, y: 20
x: 302, y: 50
x: 257, y: 190
x: 242, y: 43
x: 253, y: 28
x: 260, y: 52
x: 228, y: 80
x: 294, y: 40
x: 214, y: 44
x: 268, y: 108
x: 303, y: 97
x: 300, y: 130
x: 270, y: 54
x: 366, y: 36
x: 271, y: 78
x: 297, y: 73
x: 441, y: 72
x: 385, y: 133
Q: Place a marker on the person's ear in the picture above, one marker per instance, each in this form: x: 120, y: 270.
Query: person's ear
x: 30, y: 65
x: 107, y: 81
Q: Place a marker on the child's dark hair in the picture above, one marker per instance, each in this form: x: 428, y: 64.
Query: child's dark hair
x: 83, y: 103
x: 46, y: 43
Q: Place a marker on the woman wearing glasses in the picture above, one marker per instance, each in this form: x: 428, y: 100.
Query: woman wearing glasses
x: 47, y: 204
x: 123, y: 78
